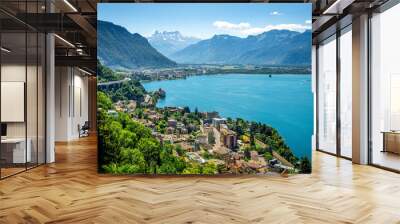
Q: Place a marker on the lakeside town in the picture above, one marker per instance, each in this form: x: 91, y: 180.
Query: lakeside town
x: 176, y: 140
x: 184, y: 71
x: 204, y: 137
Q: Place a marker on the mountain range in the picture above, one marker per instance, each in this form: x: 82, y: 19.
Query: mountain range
x: 275, y: 47
x: 118, y: 48
x: 168, y: 43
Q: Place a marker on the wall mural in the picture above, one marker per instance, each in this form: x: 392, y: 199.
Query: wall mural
x: 204, y: 88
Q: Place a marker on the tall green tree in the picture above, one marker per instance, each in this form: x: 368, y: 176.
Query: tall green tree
x: 103, y: 101
x: 305, y: 165
x: 210, y: 169
x: 150, y: 149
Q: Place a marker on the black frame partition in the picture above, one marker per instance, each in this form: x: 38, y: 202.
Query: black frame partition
x: 337, y: 29
x: 334, y: 33
x: 371, y: 148
x: 25, y: 53
x: 340, y: 77
x: 328, y: 38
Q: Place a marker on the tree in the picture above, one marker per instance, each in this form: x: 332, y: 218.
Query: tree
x: 151, y: 152
x: 103, y: 101
x: 117, y: 168
x: 206, y: 155
x: 134, y: 157
x: 252, y: 139
x: 105, y: 74
x: 210, y: 168
x: 247, y: 152
x: 268, y: 156
x: 110, y: 133
x: 165, y: 115
x: 211, y: 138
x: 139, y: 113
x: 305, y: 165
x: 170, y: 164
x: 239, y: 130
x: 179, y: 150
x: 161, y: 126
x: 253, y: 127
x: 192, y: 168
x: 186, y: 109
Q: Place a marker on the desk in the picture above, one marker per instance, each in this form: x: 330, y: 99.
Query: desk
x: 391, y: 141
x: 13, y: 150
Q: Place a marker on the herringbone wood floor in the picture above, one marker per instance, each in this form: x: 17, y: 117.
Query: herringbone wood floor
x: 70, y: 191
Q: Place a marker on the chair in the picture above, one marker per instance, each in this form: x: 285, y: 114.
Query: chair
x: 84, y: 130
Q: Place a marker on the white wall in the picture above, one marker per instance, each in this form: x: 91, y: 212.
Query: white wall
x: 33, y: 126
x: 62, y: 83
x: 359, y: 90
x: 50, y: 95
x: 17, y: 73
x: 71, y: 102
x: 10, y: 73
x: 81, y: 102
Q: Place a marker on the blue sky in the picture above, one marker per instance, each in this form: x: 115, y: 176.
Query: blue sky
x: 205, y: 20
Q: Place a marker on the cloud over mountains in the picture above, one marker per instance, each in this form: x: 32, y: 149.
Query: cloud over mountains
x: 245, y: 29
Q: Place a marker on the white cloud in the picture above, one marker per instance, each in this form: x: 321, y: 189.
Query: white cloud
x: 307, y: 22
x: 275, y: 13
x: 229, y: 26
x: 291, y: 27
x: 245, y: 29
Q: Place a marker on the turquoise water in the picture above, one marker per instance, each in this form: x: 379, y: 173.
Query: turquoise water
x: 283, y: 101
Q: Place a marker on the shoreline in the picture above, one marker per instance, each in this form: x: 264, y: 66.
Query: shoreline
x: 202, y: 140
x: 300, y: 153
x: 222, y: 74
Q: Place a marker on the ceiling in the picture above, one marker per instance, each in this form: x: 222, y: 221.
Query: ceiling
x: 73, y: 21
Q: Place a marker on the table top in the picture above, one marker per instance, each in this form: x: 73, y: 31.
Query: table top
x: 391, y: 132
x: 13, y: 140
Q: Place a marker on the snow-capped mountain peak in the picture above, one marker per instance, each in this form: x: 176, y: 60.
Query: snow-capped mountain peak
x: 168, y: 42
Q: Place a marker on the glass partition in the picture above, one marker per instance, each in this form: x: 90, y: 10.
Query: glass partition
x: 327, y: 95
x: 346, y: 92
x: 385, y: 89
x: 13, y: 94
x: 22, y: 88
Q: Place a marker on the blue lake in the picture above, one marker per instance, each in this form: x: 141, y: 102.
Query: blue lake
x: 283, y: 101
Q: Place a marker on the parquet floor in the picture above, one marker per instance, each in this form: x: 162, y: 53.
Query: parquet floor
x: 71, y: 191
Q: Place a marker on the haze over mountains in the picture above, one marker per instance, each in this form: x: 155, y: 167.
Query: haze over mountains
x: 168, y: 43
x: 117, y: 47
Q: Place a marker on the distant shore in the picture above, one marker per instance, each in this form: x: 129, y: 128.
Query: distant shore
x: 184, y: 72
x: 212, y: 74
